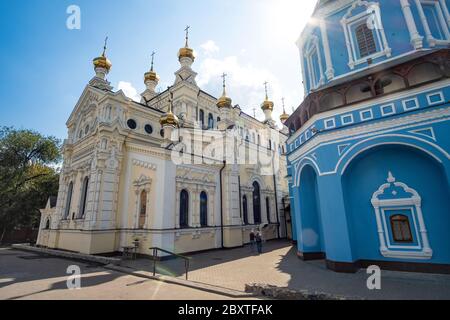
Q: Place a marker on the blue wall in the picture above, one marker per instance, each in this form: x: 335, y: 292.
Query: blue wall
x: 419, y: 171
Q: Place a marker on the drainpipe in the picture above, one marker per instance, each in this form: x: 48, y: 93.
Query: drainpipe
x: 221, y: 203
x: 276, y: 197
x: 240, y: 197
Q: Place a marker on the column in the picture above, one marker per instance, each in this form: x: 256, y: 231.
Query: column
x: 329, y: 72
x: 416, y: 39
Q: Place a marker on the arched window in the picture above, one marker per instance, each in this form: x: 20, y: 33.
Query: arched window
x: 47, y: 224
x: 83, y: 199
x: 142, y: 209
x: 218, y: 120
x: 245, y: 208
x: 184, y: 209
x: 268, y: 209
x: 201, y: 118
x: 203, y: 209
x: 68, y: 201
x: 256, y: 203
x: 365, y: 39
x: 401, y: 230
x: 210, y: 121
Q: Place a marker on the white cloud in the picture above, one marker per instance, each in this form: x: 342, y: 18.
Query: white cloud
x: 209, y: 47
x: 129, y: 90
x: 245, y: 84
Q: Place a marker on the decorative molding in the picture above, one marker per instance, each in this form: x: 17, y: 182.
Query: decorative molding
x: 420, y: 251
x: 144, y: 164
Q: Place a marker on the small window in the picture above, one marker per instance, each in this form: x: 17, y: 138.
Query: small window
x: 86, y: 130
x: 184, y: 209
x: 47, y: 224
x: 401, y: 230
x: 148, y: 128
x: 365, y: 40
x: 268, y: 209
x: 132, y: 124
x: 245, y: 209
x: 83, y: 199
x: 161, y: 133
x: 202, y: 118
x: 210, y: 121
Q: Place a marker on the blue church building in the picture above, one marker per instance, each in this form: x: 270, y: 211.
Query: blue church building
x: 368, y: 152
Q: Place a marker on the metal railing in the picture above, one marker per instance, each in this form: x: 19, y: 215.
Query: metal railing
x: 155, y: 259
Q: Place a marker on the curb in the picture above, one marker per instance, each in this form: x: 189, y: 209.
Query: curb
x: 186, y: 283
x: 68, y: 255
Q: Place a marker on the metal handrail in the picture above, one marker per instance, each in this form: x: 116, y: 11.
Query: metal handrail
x: 155, y: 256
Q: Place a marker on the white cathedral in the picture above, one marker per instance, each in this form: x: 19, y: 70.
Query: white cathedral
x: 181, y: 170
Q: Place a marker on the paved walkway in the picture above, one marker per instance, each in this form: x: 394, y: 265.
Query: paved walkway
x: 279, y: 266
x: 33, y: 276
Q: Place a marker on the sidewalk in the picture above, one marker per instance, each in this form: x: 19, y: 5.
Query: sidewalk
x: 279, y: 266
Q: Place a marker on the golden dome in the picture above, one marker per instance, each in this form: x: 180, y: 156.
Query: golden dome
x: 267, y: 105
x: 284, y: 116
x: 151, y: 76
x: 169, y: 119
x: 102, y: 62
x: 186, y: 53
x: 224, y: 102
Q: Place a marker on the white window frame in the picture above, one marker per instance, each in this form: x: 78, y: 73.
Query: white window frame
x: 416, y: 106
x: 332, y: 126
x: 423, y: 249
x: 384, y: 113
x: 348, y: 22
x: 312, y: 47
x: 350, y: 115
x: 440, y: 94
x: 443, y: 17
x: 362, y: 112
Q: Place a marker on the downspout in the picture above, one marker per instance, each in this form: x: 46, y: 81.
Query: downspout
x: 221, y: 204
x: 276, y: 198
x: 240, y: 196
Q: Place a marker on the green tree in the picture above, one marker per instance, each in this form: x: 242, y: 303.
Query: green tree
x: 27, y: 176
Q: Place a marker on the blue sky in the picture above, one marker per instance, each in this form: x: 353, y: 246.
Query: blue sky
x: 45, y: 66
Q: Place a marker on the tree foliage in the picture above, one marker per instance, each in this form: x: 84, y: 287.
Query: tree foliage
x: 28, y: 176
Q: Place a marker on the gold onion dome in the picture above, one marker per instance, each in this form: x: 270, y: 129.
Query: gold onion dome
x: 186, y: 52
x: 102, y: 61
x: 224, y: 101
x: 151, y: 75
x: 267, y: 105
x: 169, y: 119
x: 284, y: 116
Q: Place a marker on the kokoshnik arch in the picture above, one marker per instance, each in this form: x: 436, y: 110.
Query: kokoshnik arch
x: 368, y: 152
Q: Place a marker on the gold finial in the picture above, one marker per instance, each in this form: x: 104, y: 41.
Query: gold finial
x: 284, y: 115
x: 187, y: 36
x: 265, y: 88
x: 224, y: 101
x: 105, y: 47
x: 267, y: 105
x: 169, y: 118
x: 224, y: 76
x: 153, y: 57
x: 102, y: 61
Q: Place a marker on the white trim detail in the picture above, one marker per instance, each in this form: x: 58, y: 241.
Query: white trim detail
x: 384, y: 107
x: 362, y: 112
x: 347, y: 122
x: 440, y: 94
x: 443, y: 24
x: 372, y: 14
x: 413, y: 203
x: 329, y: 72
x: 421, y: 131
x: 329, y: 126
x: 416, y: 105
x: 416, y: 38
x: 312, y: 48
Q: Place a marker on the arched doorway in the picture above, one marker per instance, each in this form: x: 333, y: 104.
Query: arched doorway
x: 256, y: 203
x: 386, y: 230
x: 311, y: 226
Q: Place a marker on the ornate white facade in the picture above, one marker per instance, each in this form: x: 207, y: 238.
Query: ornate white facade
x: 120, y: 182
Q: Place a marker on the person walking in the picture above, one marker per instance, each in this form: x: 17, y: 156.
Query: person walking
x: 258, y: 239
x: 252, y: 240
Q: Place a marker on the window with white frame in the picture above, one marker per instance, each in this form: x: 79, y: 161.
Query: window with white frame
x: 436, y: 20
x: 364, y: 34
x: 314, y: 63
